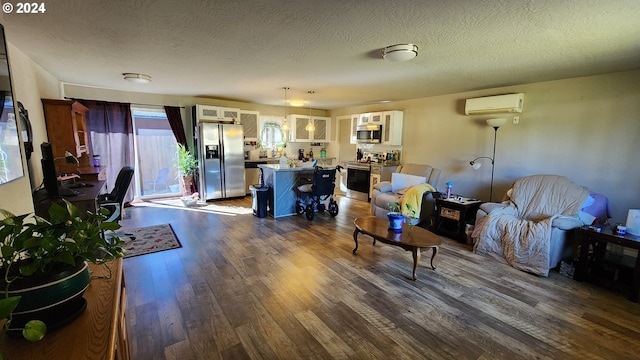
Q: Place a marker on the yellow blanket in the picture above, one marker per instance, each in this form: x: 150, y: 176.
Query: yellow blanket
x: 413, y: 197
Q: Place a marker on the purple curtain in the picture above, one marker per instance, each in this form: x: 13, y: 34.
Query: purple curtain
x: 111, y: 128
x: 175, y: 121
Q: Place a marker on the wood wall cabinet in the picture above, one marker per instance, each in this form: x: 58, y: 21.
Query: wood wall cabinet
x: 100, y: 332
x: 67, y: 131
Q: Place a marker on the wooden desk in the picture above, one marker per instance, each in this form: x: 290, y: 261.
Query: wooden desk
x: 92, y: 173
x: 88, y: 201
x: 98, y: 333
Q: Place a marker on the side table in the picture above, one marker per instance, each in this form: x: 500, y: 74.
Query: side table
x: 453, y: 214
x: 602, y: 266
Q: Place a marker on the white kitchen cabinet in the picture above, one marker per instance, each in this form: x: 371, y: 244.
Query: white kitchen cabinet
x: 217, y: 113
x: 370, y: 118
x: 376, y: 118
x: 364, y: 119
x: 322, y: 133
x: 392, y: 127
x: 354, y: 128
x: 250, y: 128
x: 298, y: 132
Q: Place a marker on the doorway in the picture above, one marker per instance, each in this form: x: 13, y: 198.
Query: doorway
x: 155, y: 147
x: 347, y: 151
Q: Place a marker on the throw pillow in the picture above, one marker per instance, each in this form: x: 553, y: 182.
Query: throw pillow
x: 402, y: 181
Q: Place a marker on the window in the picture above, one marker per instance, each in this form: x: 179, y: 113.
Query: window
x: 271, y: 135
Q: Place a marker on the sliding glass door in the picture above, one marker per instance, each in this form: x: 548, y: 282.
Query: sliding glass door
x: 155, y: 147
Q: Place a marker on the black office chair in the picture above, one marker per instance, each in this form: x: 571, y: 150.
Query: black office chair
x: 114, y: 201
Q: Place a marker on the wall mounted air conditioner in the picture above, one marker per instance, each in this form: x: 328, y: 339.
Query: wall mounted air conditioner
x: 509, y: 103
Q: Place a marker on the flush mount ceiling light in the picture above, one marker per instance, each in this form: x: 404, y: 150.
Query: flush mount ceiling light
x: 400, y: 52
x: 296, y: 103
x: 137, y: 78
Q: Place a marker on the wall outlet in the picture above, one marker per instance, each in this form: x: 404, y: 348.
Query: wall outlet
x: 516, y: 120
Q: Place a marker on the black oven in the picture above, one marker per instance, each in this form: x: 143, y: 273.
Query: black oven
x: 358, y: 177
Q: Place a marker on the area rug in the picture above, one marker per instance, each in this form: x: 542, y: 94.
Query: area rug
x: 147, y: 240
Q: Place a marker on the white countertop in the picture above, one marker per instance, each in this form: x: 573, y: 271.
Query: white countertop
x: 276, y: 167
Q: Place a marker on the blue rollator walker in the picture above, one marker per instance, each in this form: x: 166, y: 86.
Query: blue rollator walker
x: 313, y: 193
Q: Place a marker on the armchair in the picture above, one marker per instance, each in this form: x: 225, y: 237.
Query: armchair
x: 113, y: 201
x: 529, y: 230
x: 383, y: 193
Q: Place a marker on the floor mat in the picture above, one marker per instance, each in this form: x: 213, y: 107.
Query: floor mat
x: 150, y: 239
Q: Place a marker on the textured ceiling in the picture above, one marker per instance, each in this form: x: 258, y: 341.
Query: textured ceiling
x: 247, y: 50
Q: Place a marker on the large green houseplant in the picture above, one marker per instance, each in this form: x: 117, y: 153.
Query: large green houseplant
x: 187, y: 166
x: 36, y: 249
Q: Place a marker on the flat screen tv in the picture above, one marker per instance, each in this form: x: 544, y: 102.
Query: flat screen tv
x: 50, y: 177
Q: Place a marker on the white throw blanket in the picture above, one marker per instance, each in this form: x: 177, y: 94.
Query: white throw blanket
x: 524, y: 244
x: 521, y: 231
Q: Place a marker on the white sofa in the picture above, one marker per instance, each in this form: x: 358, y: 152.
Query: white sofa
x: 383, y: 195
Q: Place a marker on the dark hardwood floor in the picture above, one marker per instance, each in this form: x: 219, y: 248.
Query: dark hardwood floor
x: 248, y: 288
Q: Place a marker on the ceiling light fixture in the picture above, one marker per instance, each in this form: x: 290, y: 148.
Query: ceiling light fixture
x: 400, y: 52
x: 137, y: 78
x: 310, y: 126
x: 285, y: 124
x: 296, y: 103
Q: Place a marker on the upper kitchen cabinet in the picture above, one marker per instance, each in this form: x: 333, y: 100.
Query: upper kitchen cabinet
x: 249, y: 121
x: 298, y: 132
x: 216, y: 113
x: 66, y: 122
x: 392, y: 127
x: 322, y: 133
x: 354, y: 128
x: 370, y: 118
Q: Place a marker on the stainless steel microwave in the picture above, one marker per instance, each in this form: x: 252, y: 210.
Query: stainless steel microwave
x: 369, y: 134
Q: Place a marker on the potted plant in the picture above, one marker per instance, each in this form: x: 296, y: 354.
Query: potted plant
x: 187, y: 165
x: 44, y: 266
x: 395, y: 217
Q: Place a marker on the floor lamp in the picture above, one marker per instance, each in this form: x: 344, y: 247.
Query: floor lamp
x: 495, y: 123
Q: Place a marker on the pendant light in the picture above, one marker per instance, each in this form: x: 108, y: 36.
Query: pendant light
x: 285, y: 124
x: 310, y: 126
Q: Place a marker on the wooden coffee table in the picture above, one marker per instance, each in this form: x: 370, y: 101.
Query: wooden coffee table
x: 412, y: 238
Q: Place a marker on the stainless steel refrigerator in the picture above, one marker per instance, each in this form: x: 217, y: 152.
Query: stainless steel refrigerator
x: 221, y: 160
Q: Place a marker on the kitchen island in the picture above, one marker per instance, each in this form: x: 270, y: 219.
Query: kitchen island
x: 282, y: 187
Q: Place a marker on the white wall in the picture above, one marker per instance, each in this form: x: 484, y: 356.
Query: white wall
x: 584, y: 128
x: 30, y: 83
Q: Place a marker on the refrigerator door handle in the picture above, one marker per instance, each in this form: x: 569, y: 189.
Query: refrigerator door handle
x: 223, y: 173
